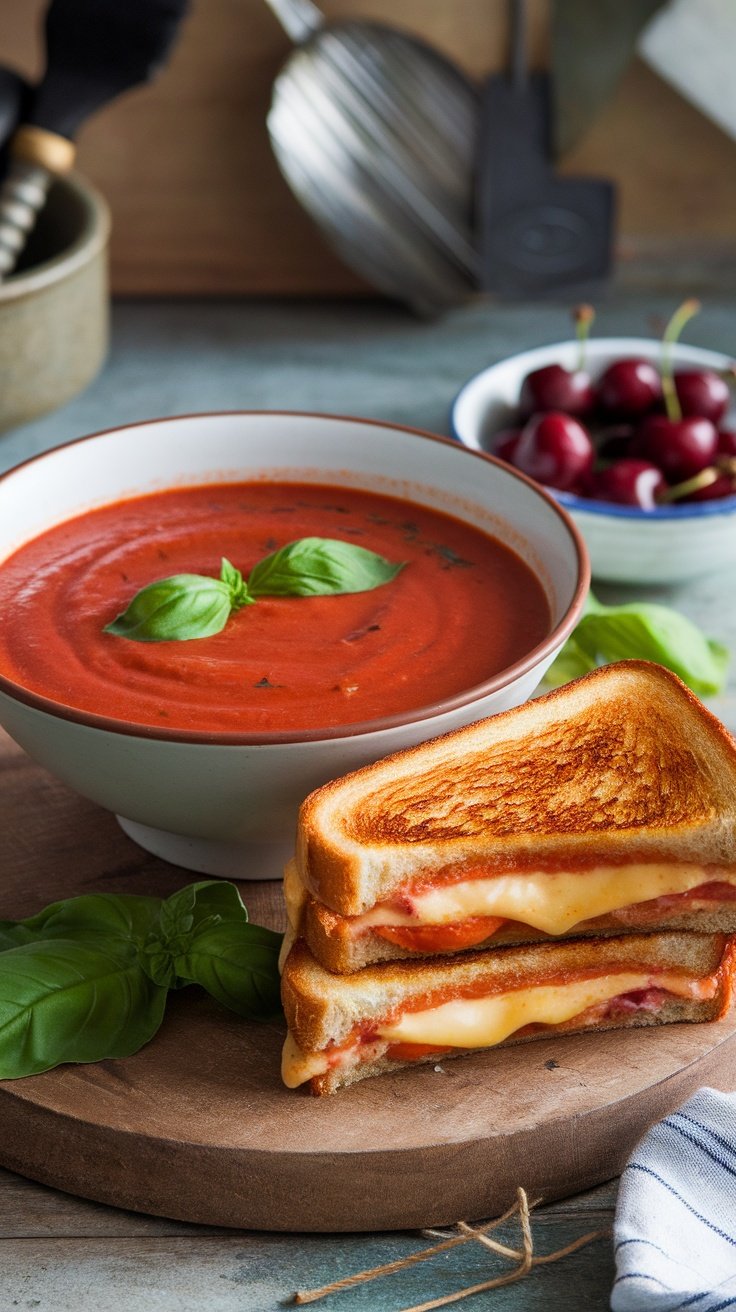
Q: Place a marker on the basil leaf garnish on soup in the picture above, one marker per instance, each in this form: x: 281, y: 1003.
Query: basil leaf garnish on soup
x: 234, y: 581
x: 176, y: 609
x: 320, y: 567
x: 190, y: 606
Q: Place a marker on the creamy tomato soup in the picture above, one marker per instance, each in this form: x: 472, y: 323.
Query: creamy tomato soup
x: 464, y: 608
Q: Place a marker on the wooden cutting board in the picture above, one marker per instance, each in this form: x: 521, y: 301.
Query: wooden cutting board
x: 197, y: 1125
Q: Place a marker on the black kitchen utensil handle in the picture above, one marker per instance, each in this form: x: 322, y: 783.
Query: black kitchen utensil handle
x: 37, y: 156
x: 15, y: 98
x: 96, y: 49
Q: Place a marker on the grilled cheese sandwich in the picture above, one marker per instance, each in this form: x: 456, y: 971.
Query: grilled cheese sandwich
x: 608, y: 803
x: 342, y: 1029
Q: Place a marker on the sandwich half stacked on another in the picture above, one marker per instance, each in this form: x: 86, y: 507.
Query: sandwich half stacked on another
x: 567, y: 865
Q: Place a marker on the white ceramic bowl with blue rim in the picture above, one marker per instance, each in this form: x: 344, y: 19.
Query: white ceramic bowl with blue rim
x: 226, y: 803
x: 627, y: 545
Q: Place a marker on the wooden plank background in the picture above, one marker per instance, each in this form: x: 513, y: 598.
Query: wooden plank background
x: 199, y: 205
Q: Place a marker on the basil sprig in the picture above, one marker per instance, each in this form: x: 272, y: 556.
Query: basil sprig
x: 641, y: 631
x: 182, y: 607
x: 87, y: 978
x: 190, y: 606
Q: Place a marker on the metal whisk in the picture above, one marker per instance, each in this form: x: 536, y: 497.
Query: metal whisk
x: 375, y: 133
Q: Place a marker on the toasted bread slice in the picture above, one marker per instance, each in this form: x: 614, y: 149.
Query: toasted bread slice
x: 622, y: 766
x: 344, y: 1028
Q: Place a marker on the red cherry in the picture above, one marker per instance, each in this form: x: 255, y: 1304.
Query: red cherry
x: 709, y: 484
x: 724, y: 486
x: 615, y: 443
x: 702, y: 392
x: 555, y: 449
x: 503, y: 444
x: 629, y: 483
x: 556, y: 388
x: 629, y: 388
x: 726, y: 442
x: 680, y: 447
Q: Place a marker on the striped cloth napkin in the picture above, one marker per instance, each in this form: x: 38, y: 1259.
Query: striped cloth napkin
x: 675, y: 1227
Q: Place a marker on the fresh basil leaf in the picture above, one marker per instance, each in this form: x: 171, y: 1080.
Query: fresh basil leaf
x: 570, y: 663
x: 13, y: 934
x: 657, y: 633
x: 210, y: 897
x: 188, y: 606
x: 233, y: 579
x: 70, y: 1001
x: 157, y: 962
x: 176, y: 916
x: 642, y: 631
x: 178, y: 609
x: 182, y: 916
x: 237, y: 963
x: 121, y: 914
x: 90, y: 916
x: 314, y: 567
x: 593, y: 606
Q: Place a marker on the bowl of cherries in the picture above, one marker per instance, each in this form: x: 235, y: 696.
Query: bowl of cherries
x: 633, y: 437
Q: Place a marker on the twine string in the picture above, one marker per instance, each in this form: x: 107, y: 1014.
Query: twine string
x: 524, y: 1257
x: 605, y: 1233
x: 313, y: 1295
x: 515, y: 1253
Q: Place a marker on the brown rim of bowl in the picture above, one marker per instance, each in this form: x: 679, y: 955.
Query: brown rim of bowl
x: 90, y: 242
x: 413, y: 716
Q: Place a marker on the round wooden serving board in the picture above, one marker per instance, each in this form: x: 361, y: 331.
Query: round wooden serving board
x: 197, y: 1125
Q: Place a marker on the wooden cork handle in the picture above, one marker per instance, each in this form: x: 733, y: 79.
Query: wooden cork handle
x: 37, y: 156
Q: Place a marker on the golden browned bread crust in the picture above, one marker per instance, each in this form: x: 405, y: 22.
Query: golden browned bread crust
x: 328, y: 935
x: 322, y: 1008
x: 623, y: 764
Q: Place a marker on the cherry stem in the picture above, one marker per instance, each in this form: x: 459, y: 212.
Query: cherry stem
x: 583, y: 316
x: 671, y: 334
x: 695, y: 484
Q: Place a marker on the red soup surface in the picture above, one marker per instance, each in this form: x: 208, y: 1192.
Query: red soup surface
x: 463, y: 608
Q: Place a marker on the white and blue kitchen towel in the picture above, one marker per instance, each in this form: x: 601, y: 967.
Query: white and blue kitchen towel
x: 675, y: 1227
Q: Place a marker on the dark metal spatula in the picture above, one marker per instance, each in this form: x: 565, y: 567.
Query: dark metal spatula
x: 95, y: 49
x: 537, y: 232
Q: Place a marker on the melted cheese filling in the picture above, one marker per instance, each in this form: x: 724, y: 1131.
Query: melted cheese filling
x: 484, y: 1022
x: 295, y: 894
x: 297, y: 1067
x: 550, y: 901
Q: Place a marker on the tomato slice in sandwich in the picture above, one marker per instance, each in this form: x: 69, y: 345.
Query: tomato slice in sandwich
x: 441, y: 938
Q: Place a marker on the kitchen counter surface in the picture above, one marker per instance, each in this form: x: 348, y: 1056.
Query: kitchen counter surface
x: 60, y: 1254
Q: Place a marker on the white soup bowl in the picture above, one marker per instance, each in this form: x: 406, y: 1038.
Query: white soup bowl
x: 226, y: 803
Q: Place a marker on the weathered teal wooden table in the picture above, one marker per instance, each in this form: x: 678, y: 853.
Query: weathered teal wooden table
x: 61, y: 1254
